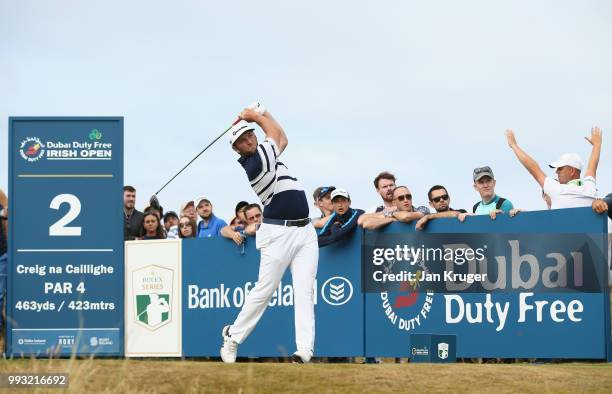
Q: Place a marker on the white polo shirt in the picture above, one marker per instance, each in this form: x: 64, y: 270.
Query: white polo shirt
x: 574, y: 194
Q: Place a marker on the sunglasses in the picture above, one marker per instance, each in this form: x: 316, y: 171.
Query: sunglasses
x: 404, y: 197
x: 185, y: 224
x: 442, y: 197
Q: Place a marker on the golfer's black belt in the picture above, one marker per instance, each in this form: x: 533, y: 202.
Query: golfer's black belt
x: 288, y: 223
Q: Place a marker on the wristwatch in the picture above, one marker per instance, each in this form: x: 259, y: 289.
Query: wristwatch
x: 388, y: 214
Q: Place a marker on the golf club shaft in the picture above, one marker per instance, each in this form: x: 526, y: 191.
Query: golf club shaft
x: 198, y: 155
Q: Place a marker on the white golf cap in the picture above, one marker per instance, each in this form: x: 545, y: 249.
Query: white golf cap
x: 200, y: 199
x: 567, y: 159
x: 238, y: 129
x: 340, y: 192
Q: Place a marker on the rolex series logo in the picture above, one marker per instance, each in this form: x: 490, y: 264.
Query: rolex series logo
x: 152, y: 296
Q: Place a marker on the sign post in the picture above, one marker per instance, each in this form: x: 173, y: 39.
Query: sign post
x: 66, y: 236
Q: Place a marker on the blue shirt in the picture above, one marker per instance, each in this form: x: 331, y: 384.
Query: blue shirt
x: 280, y: 193
x: 213, y: 229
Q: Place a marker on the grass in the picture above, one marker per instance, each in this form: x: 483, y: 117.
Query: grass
x: 152, y: 376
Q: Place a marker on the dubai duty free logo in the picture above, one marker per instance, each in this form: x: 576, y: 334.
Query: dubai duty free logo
x: 31, y: 149
x: 152, y: 290
x: 337, y: 291
x: 410, y: 308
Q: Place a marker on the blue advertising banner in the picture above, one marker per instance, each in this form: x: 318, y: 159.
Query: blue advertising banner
x: 554, y: 289
x: 66, y: 245
x: 217, y: 275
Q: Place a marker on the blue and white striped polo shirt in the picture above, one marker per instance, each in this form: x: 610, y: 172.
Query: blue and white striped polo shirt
x: 281, y: 194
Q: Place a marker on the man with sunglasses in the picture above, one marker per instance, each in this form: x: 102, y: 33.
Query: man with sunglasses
x: 253, y: 217
x: 405, y: 212
x: 440, y: 201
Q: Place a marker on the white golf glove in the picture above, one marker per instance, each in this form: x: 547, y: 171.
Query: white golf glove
x: 257, y: 107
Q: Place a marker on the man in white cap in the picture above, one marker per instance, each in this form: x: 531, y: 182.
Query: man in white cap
x: 286, y: 238
x: 570, y: 189
x: 342, y: 221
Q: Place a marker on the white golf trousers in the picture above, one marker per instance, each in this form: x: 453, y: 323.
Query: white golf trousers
x: 281, y: 247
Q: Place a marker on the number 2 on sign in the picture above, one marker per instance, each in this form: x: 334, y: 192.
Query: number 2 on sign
x: 60, y: 228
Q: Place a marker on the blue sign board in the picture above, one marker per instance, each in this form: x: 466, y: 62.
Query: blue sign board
x: 66, y: 244
x: 217, y: 276
x: 517, y: 323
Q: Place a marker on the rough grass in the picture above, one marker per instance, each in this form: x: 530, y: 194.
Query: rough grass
x: 153, y: 376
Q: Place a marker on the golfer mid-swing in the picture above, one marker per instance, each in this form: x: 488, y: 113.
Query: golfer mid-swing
x: 285, y: 238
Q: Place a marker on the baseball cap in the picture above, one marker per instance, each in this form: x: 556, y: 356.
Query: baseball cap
x: 340, y: 193
x: 567, y: 159
x: 482, y: 172
x: 185, y: 205
x: 324, y: 190
x: 238, y: 129
x: 170, y: 214
x: 198, y: 200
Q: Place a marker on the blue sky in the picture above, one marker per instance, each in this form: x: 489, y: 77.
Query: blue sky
x: 422, y: 89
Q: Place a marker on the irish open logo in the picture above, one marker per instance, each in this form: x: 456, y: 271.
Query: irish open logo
x: 337, y: 291
x: 152, y: 287
x: 31, y: 149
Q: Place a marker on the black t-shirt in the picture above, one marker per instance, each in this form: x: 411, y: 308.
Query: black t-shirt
x: 132, y: 225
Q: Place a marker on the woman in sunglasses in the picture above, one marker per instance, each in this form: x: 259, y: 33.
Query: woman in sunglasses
x: 187, y: 227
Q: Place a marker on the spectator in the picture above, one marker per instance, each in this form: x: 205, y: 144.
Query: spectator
x: 491, y: 204
x: 210, y: 225
x: 240, y: 219
x: 569, y: 190
x: 603, y: 205
x: 188, y: 209
x: 342, y: 221
x: 405, y: 211
x: 253, y: 216
x: 171, y: 222
x: 132, y: 224
x: 322, y: 198
x: 187, y: 227
x: 440, y: 201
x: 3, y: 256
x: 385, y: 184
x: 152, y: 228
